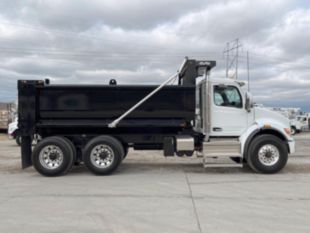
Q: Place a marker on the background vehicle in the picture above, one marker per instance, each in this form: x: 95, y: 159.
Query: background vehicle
x: 13, y: 132
x: 296, y: 126
x: 97, y: 124
x: 304, y: 121
x: 296, y: 117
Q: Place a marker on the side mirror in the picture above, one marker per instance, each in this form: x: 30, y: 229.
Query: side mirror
x: 248, y: 101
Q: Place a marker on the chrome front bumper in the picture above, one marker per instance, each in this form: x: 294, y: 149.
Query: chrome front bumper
x: 291, y: 146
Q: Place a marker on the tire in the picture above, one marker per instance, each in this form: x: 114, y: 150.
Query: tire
x: 126, y: 149
x: 293, y: 130
x: 184, y: 153
x: 18, y: 139
x: 73, y: 148
x: 110, y: 155
x: 267, y: 154
x: 62, y: 156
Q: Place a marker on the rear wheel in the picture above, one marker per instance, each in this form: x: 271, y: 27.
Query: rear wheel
x: 267, y: 154
x: 72, y: 147
x: 102, y: 155
x: 126, y: 149
x: 53, y: 156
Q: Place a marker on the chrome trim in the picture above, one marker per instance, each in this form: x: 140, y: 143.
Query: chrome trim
x: 51, y: 157
x: 185, y: 143
x: 102, y: 156
x: 268, y: 155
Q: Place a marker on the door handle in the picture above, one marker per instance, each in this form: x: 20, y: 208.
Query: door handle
x: 217, y: 129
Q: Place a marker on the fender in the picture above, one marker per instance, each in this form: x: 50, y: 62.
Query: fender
x: 259, y: 127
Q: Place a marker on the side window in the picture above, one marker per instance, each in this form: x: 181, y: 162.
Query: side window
x: 218, y: 99
x: 227, y: 96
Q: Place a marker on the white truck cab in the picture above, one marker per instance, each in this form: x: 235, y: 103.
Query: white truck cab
x: 235, y: 128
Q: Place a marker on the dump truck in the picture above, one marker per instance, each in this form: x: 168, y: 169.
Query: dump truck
x: 190, y: 114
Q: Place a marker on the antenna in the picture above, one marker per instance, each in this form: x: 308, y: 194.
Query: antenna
x: 248, y: 68
x: 232, y: 58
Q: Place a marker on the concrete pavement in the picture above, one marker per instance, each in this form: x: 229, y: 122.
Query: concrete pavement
x: 150, y: 193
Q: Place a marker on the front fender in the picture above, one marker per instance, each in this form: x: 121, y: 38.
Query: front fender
x: 265, y: 125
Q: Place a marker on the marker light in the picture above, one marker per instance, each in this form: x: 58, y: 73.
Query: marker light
x: 267, y: 126
x: 287, y: 131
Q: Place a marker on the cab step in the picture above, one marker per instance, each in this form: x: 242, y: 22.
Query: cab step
x: 218, y: 153
x: 218, y: 165
x: 222, y: 162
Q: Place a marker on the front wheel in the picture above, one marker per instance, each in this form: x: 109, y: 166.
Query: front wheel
x: 267, y: 154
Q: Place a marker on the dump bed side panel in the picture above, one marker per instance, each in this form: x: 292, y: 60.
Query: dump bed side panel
x: 109, y: 102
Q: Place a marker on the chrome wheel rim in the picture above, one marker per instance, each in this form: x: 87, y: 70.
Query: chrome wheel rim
x: 51, y: 157
x: 102, y: 156
x: 268, y: 155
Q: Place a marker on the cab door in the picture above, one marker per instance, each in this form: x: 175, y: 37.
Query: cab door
x: 228, y: 115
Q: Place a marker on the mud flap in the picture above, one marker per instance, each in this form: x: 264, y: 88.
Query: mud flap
x: 26, y: 151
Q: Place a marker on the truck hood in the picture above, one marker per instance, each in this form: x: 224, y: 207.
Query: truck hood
x: 268, y: 116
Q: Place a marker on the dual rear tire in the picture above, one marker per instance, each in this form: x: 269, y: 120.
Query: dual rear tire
x: 102, y: 155
x: 54, y: 156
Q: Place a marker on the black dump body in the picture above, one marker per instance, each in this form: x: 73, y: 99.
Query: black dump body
x: 84, y: 111
x: 90, y: 106
x: 102, y: 104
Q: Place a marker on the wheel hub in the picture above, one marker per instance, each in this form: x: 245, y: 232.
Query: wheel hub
x: 51, y: 157
x: 102, y: 156
x: 268, y: 155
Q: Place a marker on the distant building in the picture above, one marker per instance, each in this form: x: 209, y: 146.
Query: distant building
x: 8, y: 112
